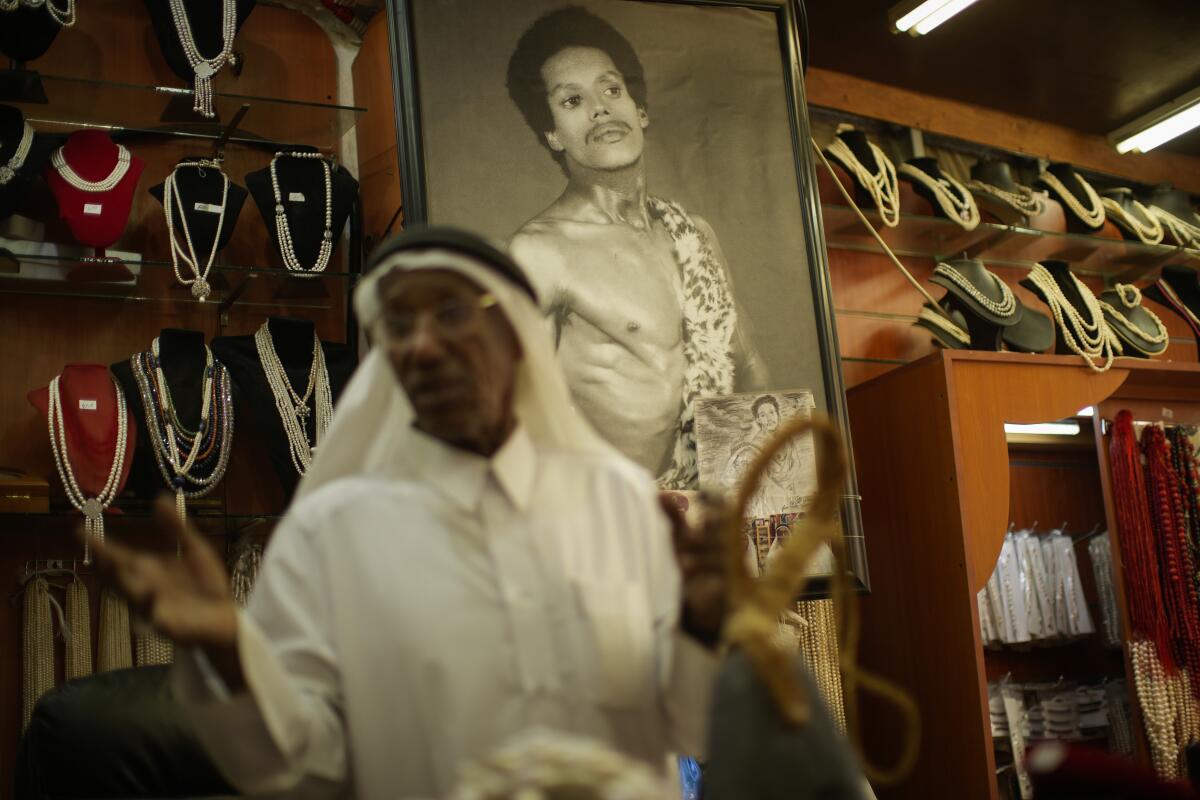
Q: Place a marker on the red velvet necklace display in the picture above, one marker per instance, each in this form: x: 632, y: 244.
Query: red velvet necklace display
x: 96, y: 219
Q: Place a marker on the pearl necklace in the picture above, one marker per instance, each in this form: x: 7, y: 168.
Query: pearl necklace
x: 63, y: 16
x: 283, y: 233
x: 881, y: 184
x: 293, y: 409
x: 107, y: 184
x: 1089, y: 339
x: 207, y: 446
x: 92, y: 508
x: 931, y: 317
x: 1150, y: 232
x: 961, y: 209
x: 1131, y: 298
x: 1024, y: 199
x: 171, y: 198
x: 1093, y: 216
x: 205, y: 68
x: 1008, y: 301
x: 8, y: 171
x: 1150, y: 681
x: 1184, y: 232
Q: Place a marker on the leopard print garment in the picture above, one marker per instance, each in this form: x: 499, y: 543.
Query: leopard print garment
x: 709, y: 319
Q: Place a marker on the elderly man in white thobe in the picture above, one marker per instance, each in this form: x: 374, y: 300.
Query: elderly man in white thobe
x: 465, y: 560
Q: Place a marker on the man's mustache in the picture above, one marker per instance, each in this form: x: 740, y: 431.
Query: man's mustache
x: 606, y: 127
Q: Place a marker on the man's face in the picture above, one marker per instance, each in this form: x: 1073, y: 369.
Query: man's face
x: 768, y: 417
x: 596, y: 122
x: 454, y: 353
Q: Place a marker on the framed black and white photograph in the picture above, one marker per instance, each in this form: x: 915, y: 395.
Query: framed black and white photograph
x: 648, y: 163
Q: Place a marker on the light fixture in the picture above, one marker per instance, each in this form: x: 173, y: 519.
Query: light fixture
x: 919, y: 17
x: 1086, y: 411
x: 1044, y: 429
x: 1160, y: 125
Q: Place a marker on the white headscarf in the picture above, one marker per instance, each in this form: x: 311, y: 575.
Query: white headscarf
x: 373, y: 418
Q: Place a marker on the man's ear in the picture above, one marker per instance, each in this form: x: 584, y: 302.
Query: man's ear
x: 555, y: 144
x: 643, y: 120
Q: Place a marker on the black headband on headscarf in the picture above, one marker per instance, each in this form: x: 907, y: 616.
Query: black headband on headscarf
x: 427, y: 237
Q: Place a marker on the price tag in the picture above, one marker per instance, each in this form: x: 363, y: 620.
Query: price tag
x: 210, y: 208
x: 93, y: 209
x: 87, y: 405
x: 295, y: 197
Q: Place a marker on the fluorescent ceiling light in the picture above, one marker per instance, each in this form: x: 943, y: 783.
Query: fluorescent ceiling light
x: 1160, y: 125
x: 919, y: 18
x: 1044, y: 429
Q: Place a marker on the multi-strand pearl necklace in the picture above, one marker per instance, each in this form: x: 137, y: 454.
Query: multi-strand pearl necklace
x: 92, y: 507
x: 205, y: 68
x: 1024, y: 200
x: 1093, y: 214
x: 931, y: 317
x: 1150, y: 681
x: 63, y: 16
x: 1184, y: 232
x: 173, y: 200
x: 293, y: 408
x: 191, y: 462
x: 1004, y: 308
x: 283, y: 233
x: 1090, y: 339
x: 956, y: 202
x: 881, y: 184
x: 106, y: 184
x: 1149, y: 232
x: 1131, y: 298
x: 8, y: 170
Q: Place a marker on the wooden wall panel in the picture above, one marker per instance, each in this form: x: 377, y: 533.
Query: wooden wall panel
x: 378, y: 155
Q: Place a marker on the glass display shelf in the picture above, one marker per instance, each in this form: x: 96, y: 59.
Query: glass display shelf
x: 135, y: 517
x: 76, y: 102
x: 1003, y: 245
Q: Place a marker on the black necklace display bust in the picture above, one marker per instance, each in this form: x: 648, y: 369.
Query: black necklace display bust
x: 204, y: 17
x: 1136, y: 216
x: 199, y: 190
x: 27, y: 33
x: 1074, y: 185
x: 1061, y: 272
x: 1184, y: 284
x: 293, y: 341
x: 12, y: 129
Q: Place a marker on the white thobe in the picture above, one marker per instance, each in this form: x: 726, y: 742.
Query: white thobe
x: 399, y: 628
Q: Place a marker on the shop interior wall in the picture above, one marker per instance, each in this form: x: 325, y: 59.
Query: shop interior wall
x: 40, y: 334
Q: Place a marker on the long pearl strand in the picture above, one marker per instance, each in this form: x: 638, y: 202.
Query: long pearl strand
x: 1090, y: 340
x: 8, y: 170
x: 881, y: 184
x: 1184, y: 232
x: 1131, y: 297
x: 1093, y: 216
x: 293, y: 409
x: 173, y: 200
x: 205, y: 68
x: 283, y: 232
x: 961, y: 209
x: 92, y: 508
x: 65, y: 17
x: 1024, y: 200
x: 1008, y: 301
x: 1149, y: 232
x: 107, y: 184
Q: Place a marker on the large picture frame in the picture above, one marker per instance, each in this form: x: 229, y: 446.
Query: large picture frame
x: 697, y: 143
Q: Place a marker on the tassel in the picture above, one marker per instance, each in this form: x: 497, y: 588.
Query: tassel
x: 37, y: 639
x: 154, y: 648
x: 79, y: 623
x: 245, y: 573
x: 114, y: 651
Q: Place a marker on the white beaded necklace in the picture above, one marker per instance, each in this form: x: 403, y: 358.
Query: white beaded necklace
x: 1023, y: 200
x: 1184, y: 232
x: 1092, y: 339
x: 961, y: 209
x: 1004, y: 308
x: 1131, y: 297
x: 107, y: 184
x: 931, y: 317
x: 8, y: 171
x: 1093, y: 216
x: 205, y: 68
x: 881, y: 184
x: 293, y: 409
x: 63, y: 16
x: 1149, y: 232
x: 172, y: 199
x: 283, y: 233
x: 92, y: 508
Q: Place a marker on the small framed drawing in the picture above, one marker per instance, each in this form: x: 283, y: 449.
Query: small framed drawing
x: 648, y: 163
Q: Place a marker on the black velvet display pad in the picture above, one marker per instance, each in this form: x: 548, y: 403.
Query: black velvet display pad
x: 1175, y: 201
x: 306, y: 219
x: 860, y: 146
x: 930, y: 167
x: 1061, y: 272
x: 27, y: 33
x: 1067, y: 177
x: 204, y: 16
x: 1185, y: 282
x: 293, y: 339
x: 183, y: 361
x: 203, y: 185
x: 995, y: 173
x: 12, y: 126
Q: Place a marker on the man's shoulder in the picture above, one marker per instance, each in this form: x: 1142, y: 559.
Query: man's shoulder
x: 540, y: 245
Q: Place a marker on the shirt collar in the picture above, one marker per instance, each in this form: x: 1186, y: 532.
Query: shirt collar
x: 461, y: 476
